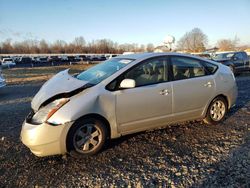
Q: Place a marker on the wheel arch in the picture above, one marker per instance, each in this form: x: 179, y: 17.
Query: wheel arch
x: 223, y: 96
x: 219, y: 95
x: 95, y: 116
x: 207, y: 118
x: 99, y: 117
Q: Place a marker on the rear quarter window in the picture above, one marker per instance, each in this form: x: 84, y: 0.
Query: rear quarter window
x: 210, y: 68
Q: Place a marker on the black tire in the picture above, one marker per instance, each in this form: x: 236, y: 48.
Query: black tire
x: 79, y: 132
x: 213, y: 112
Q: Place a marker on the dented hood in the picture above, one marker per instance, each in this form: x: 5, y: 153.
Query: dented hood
x: 61, y: 83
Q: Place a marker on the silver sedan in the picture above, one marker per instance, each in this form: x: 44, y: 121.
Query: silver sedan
x: 124, y: 95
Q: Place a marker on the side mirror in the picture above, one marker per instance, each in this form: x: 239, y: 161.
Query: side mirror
x: 127, y: 83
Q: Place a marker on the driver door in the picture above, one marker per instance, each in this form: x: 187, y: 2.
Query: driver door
x: 149, y: 103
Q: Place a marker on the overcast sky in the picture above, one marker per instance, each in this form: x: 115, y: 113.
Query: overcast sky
x: 127, y: 21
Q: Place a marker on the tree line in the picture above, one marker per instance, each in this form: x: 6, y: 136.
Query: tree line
x: 192, y: 41
x: 197, y: 41
x: 78, y: 45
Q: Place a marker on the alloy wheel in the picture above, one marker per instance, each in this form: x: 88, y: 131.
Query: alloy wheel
x: 87, y: 138
x: 217, y: 110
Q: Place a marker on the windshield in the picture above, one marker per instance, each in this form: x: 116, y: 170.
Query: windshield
x: 223, y: 56
x: 98, y: 73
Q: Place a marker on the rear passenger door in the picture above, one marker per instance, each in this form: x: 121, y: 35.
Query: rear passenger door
x: 193, y: 87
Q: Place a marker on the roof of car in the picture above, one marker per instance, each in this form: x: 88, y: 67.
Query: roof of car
x: 138, y: 56
x: 142, y: 56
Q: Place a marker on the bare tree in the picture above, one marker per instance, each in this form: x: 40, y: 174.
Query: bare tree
x: 7, y: 47
x: 78, y: 45
x: 104, y: 46
x: 44, y: 47
x: 193, y: 41
x: 33, y: 46
x: 59, y: 46
x: 225, y: 45
x: 150, y: 47
x: 228, y: 44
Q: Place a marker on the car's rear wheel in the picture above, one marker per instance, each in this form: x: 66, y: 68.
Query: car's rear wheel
x: 217, y: 111
x: 86, y: 137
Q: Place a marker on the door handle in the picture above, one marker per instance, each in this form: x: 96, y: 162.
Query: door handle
x: 164, y: 92
x: 208, y: 84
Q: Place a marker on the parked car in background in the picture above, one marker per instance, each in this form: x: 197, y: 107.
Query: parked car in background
x: 71, y: 59
x: 8, y: 62
x: 41, y: 59
x: 54, y: 59
x: 103, y: 58
x: 98, y: 58
x: 16, y: 58
x: 94, y: 58
x: 25, y: 60
x: 109, y: 56
x: 78, y: 58
x: 2, y: 57
x: 237, y: 61
x: 64, y: 58
x: 83, y: 57
x: 204, y: 55
x: 124, y: 95
x: 2, y: 80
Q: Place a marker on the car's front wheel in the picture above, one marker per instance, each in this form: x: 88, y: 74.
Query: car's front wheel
x: 217, y: 111
x: 86, y: 137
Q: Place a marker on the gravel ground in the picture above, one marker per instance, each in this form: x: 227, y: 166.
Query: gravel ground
x: 190, y: 154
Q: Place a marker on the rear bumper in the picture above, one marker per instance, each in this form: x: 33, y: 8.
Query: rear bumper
x: 232, y: 96
x: 45, y: 139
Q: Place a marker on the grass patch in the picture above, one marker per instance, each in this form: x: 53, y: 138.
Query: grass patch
x: 26, y: 75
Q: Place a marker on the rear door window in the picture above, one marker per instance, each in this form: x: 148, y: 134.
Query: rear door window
x: 185, y: 68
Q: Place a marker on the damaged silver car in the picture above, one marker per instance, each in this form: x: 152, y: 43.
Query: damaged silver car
x: 124, y: 95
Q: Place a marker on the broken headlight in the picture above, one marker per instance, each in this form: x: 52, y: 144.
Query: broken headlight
x: 45, y: 112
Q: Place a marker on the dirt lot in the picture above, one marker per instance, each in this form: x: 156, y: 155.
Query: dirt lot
x: 16, y: 76
x: 190, y: 154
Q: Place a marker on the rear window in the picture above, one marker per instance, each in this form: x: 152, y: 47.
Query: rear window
x: 244, y: 54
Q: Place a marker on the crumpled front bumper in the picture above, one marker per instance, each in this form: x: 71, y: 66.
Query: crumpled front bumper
x: 45, y: 139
